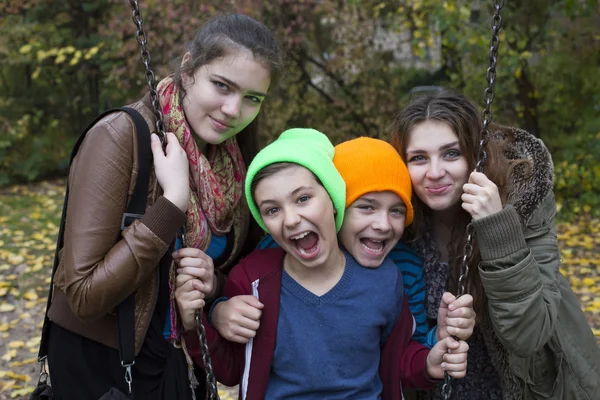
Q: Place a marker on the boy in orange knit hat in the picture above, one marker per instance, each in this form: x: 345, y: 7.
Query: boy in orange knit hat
x: 378, y: 208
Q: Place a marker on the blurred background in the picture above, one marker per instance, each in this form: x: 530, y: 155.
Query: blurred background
x: 350, y: 66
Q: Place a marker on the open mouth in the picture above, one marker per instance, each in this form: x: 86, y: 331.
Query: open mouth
x: 373, y: 247
x: 306, y: 244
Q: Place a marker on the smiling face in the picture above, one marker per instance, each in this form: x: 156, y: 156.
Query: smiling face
x: 438, y: 170
x: 224, y: 96
x: 372, y: 226
x: 299, y: 214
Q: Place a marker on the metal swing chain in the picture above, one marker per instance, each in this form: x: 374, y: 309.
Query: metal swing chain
x: 211, y: 382
x: 140, y: 35
x: 488, y: 97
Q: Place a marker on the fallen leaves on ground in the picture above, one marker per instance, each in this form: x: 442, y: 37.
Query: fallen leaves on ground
x: 29, y: 221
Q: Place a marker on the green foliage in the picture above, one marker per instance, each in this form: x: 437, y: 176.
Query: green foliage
x: 350, y: 66
x: 34, y: 149
x: 577, y: 174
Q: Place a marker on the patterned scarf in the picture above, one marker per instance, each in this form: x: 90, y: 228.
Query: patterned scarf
x: 216, y: 179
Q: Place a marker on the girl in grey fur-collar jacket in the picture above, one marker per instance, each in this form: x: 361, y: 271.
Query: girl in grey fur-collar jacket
x: 532, y: 340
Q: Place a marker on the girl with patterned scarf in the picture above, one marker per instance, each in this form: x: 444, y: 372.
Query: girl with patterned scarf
x: 209, y: 106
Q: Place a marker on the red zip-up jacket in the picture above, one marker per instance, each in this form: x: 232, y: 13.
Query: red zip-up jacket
x: 402, y: 359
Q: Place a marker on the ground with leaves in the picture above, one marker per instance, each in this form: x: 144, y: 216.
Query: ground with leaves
x: 29, y: 217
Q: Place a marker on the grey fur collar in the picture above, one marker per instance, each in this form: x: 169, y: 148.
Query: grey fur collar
x: 531, y: 182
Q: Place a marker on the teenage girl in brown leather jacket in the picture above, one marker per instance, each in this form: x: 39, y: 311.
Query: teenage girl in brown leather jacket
x: 215, y: 94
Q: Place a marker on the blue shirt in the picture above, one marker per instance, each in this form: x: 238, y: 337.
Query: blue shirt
x: 328, y: 347
x: 411, y: 267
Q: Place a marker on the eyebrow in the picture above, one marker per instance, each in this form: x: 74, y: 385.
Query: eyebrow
x: 373, y: 201
x: 268, y: 201
x: 369, y: 200
x: 444, y: 147
x: 236, y: 86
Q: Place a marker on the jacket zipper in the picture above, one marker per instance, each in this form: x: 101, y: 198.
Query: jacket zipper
x: 248, y: 358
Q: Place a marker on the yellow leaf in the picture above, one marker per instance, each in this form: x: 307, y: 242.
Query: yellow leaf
x: 25, y: 49
x: 36, y: 73
x: 10, y: 354
x: 16, y: 344
x: 91, y: 52
x: 30, y: 304
x: 588, y: 282
x: 8, y: 384
x: 21, y: 392
x: 525, y: 55
x: 33, y: 343
x: 518, y: 73
x: 41, y: 55
x: 15, y: 258
x: 37, y: 266
x: 31, y: 295
x: 5, y: 307
x: 19, y: 377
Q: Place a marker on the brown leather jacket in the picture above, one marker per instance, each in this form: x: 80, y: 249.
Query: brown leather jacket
x: 95, y: 274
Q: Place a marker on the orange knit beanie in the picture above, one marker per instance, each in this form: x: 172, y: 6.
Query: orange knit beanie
x: 373, y: 165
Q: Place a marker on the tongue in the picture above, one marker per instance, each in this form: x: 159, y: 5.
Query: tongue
x: 372, y: 244
x: 308, y: 242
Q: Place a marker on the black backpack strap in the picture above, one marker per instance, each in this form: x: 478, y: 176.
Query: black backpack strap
x: 135, y: 209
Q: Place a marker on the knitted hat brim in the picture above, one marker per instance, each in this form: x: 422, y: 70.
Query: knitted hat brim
x: 379, y: 188
x: 321, y: 166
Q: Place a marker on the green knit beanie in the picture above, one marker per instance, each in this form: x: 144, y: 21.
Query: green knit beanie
x: 310, y: 149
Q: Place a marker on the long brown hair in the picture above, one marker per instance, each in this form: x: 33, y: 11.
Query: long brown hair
x: 458, y: 113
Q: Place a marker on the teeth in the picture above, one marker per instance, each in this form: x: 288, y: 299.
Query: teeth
x: 300, y: 235
x: 371, y: 249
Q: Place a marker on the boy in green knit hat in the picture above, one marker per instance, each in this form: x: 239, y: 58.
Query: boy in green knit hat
x: 314, y: 342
